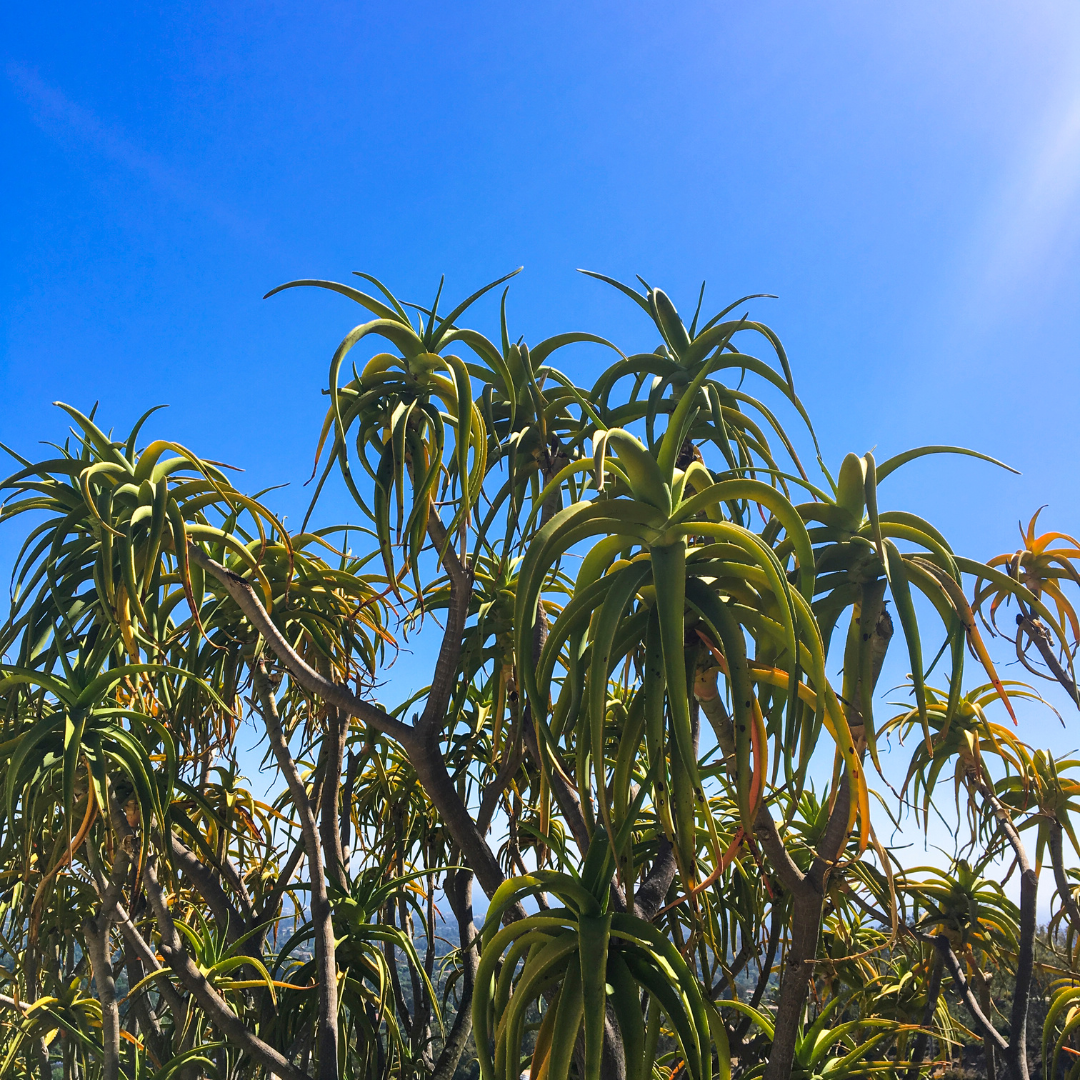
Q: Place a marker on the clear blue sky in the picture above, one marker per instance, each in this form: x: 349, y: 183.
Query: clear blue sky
x: 905, y: 176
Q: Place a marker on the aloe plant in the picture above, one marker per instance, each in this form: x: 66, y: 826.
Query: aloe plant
x: 638, y: 687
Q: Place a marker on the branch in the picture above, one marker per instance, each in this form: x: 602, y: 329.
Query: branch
x: 941, y: 943
x: 1042, y: 640
x: 766, y: 832
x: 564, y: 795
x: 329, y: 812
x: 227, y: 916
x: 1025, y: 961
x: 807, y: 900
x: 244, y: 596
x: 870, y: 910
x: 425, y: 759
x: 271, y: 901
x: 96, y: 932
x: 490, y: 801
x: 346, y: 808
x: 459, y: 893
x: 442, y: 682
x: 224, y: 869
x: 712, y: 705
x: 141, y: 1011
x: 447, y: 555
x: 273, y: 898
x: 933, y: 992
x: 1057, y: 860
x: 430, y: 767
x: 836, y: 834
x: 111, y: 889
x: 138, y: 943
x: 654, y: 889
x: 765, y: 974
x: 321, y: 915
x: 216, y: 1008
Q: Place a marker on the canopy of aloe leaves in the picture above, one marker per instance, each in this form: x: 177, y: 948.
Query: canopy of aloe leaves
x: 648, y: 734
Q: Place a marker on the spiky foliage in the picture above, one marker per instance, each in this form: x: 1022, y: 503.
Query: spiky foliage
x: 654, y: 636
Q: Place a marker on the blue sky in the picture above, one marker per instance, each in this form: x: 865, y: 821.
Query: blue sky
x: 905, y: 176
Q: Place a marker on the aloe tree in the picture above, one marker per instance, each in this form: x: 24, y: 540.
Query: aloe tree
x: 633, y: 589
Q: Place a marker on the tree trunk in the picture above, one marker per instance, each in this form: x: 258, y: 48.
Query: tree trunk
x: 321, y: 915
x: 1057, y: 860
x: 922, y: 1040
x: 330, y: 813
x: 808, y: 898
x: 96, y: 931
x: 459, y: 893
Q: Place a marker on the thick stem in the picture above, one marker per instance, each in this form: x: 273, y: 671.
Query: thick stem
x: 422, y: 750
x: 459, y: 893
x: 1025, y: 966
x: 922, y: 1040
x: 652, y: 894
x: 795, y: 982
x: 808, y: 898
x: 329, y: 819
x: 332, y: 693
x: 216, y: 1008
x: 1016, y: 1055
x: 442, y: 682
x: 346, y: 808
x: 963, y: 987
x: 1043, y: 641
x: 769, y: 837
x: 808, y: 891
x: 229, y: 919
x: 712, y: 705
x: 96, y: 932
x: 1057, y: 860
x: 321, y: 914
x: 431, y: 772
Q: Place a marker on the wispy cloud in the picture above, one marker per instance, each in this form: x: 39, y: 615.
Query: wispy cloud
x: 78, y: 128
